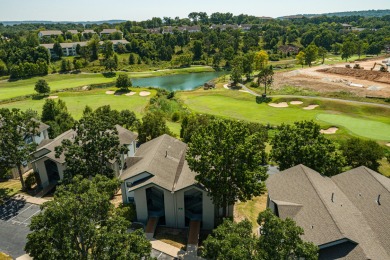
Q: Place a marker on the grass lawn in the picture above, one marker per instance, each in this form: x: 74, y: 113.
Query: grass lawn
x: 250, y: 210
x: 76, y: 101
x: 4, y: 256
x: 9, y: 188
x: 242, y: 106
x: 56, y: 81
x: 362, y: 127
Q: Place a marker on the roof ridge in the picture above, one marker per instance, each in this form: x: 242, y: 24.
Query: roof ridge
x: 366, y: 169
x: 56, y: 139
x: 156, y: 149
x: 322, y: 200
x: 179, y: 168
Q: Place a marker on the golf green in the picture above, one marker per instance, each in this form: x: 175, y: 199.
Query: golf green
x: 362, y: 127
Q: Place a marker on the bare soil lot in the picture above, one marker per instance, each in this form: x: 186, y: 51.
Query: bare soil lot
x: 337, y: 78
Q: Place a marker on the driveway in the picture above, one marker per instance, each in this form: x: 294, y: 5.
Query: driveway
x: 15, y: 216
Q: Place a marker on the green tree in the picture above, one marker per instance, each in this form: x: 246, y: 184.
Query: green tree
x: 57, y: 49
x: 197, y: 49
x: 107, y: 49
x: 227, y: 157
x: 41, y: 87
x: 132, y: 59
x: 281, y: 239
x: 95, y: 145
x: 322, y: 53
x: 110, y: 64
x: 261, y: 59
x: 237, y: 70
x: 3, y: 68
x: 347, y: 50
x: 359, y: 152
x: 123, y: 82
x: 94, y: 46
x: 361, y: 47
x: 230, y: 240
x: 266, y: 77
x: 191, y: 123
x: 301, y: 58
x: 248, y: 64
x: 16, y: 129
x: 311, y: 53
x: 81, y: 223
x: 56, y: 115
x: 302, y: 143
x: 153, y: 125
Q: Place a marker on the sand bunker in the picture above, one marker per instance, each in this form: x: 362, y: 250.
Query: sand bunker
x: 281, y: 104
x: 52, y: 97
x: 296, y: 102
x: 131, y: 93
x: 310, y: 107
x: 110, y: 92
x: 144, y: 93
x: 388, y: 144
x: 226, y: 86
x: 329, y: 131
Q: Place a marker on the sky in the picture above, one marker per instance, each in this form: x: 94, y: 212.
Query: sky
x: 95, y: 10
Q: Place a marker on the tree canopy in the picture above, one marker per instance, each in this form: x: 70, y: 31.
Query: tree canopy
x: 359, y: 152
x: 56, y: 115
x: 302, y: 143
x: 123, y: 82
x: 92, y: 150
x: 16, y: 132
x: 41, y: 87
x: 81, y: 223
x: 279, y: 239
x: 153, y: 125
x: 228, y: 156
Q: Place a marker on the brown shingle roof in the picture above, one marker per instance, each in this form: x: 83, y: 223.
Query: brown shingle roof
x: 109, y: 31
x: 125, y: 136
x: 48, y: 33
x: 164, y: 158
x: 73, y: 31
x: 326, y: 221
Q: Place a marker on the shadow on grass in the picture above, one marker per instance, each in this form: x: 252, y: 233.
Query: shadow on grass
x: 39, y: 97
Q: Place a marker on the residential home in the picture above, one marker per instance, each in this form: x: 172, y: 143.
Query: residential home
x: 68, y: 48
x: 72, y: 31
x: 49, y: 33
x: 346, y: 216
x: 88, y: 32
x: 245, y: 27
x: 49, y: 169
x: 110, y: 31
x: 39, y: 138
x: 160, y: 183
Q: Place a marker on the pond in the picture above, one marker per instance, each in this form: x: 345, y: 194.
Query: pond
x: 178, y: 82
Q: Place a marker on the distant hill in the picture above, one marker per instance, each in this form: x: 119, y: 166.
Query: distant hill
x: 366, y: 13
x: 62, y: 22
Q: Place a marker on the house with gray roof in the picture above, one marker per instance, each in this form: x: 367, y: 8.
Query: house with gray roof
x: 158, y: 180
x: 49, y: 33
x: 49, y: 169
x: 346, y: 216
x: 110, y: 31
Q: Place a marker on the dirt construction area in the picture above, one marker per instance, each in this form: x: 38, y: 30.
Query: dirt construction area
x: 336, y: 78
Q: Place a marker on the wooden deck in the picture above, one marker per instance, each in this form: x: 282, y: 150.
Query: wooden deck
x: 193, y: 234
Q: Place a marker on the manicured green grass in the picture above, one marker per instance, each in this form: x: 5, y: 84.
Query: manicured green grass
x: 362, y: 127
x: 76, y: 101
x: 56, y: 81
x: 242, y: 106
x: 9, y: 188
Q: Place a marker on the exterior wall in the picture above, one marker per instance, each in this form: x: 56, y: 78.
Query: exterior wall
x: 39, y: 167
x: 38, y: 138
x: 169, y: 205
x: 141, y: 205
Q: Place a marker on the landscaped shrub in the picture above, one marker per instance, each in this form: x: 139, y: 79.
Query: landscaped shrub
x: 254, y: 85
x: 127, y: 211
x: 261, y: 99
x: 30, y: 180
x: 175, y: 116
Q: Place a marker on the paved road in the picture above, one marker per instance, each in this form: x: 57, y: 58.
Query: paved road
x: 15, y: 216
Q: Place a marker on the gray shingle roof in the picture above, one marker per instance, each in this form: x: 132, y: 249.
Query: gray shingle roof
x: 164, y: 158
x: 109, y: 31
x: 73, y: 31
x: 42, y: 126
x: 125, y: 136
x: 52, y: 32
x: 324, y: 220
